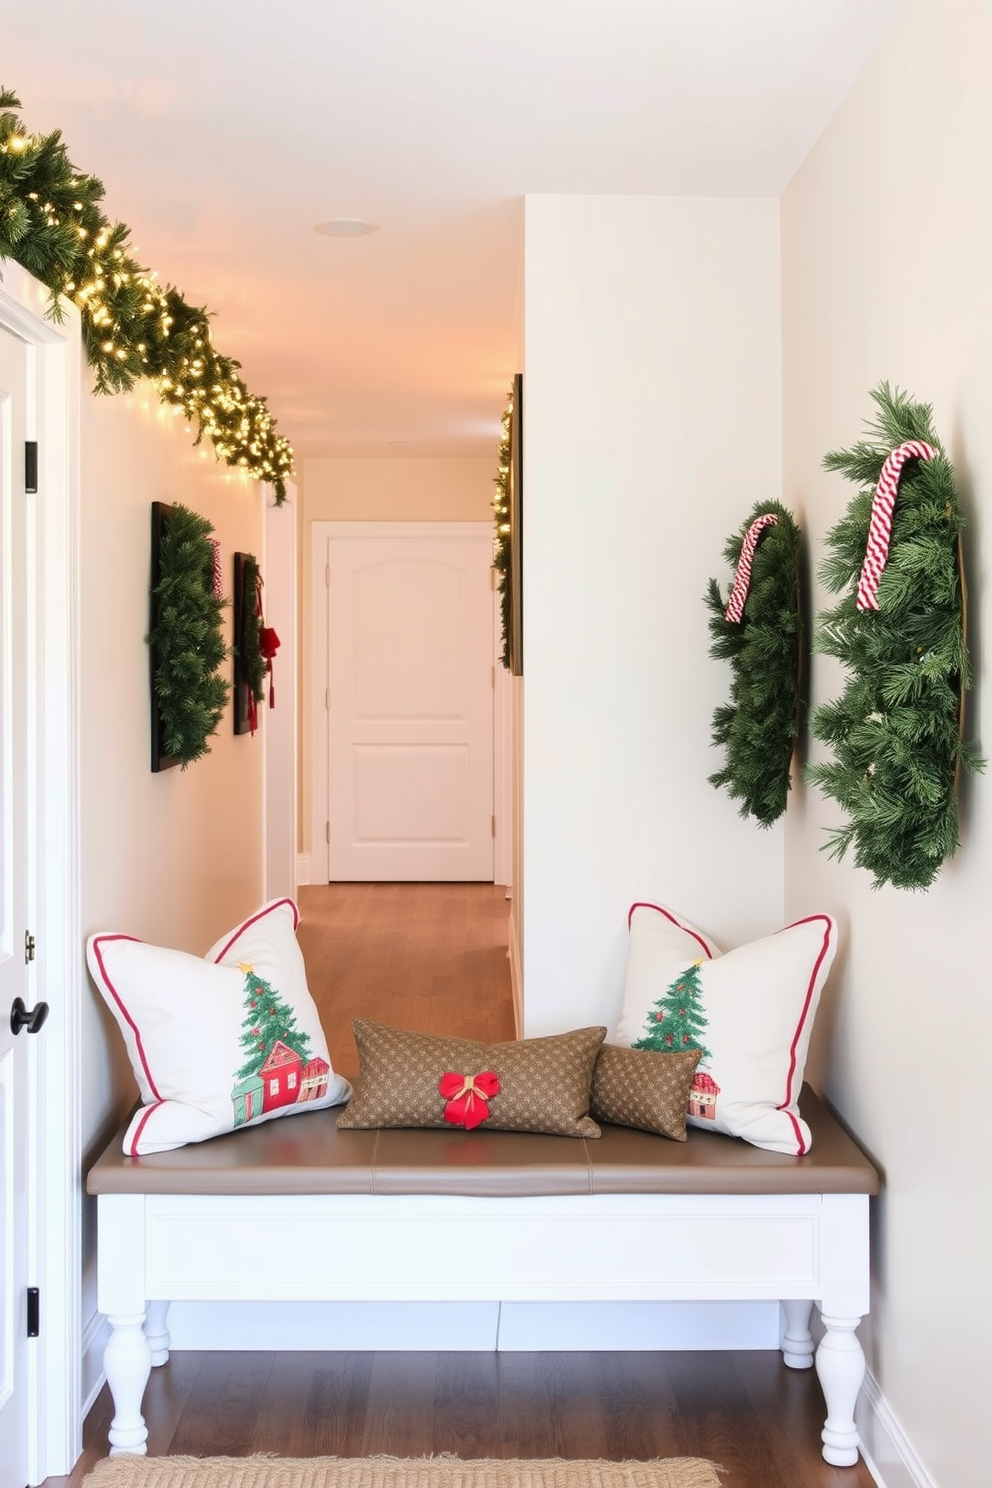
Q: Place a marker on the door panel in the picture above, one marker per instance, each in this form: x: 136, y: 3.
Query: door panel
x: 14, y: 980
x: 410, y: 786
x: 411, y: 645
x: 411, y: 792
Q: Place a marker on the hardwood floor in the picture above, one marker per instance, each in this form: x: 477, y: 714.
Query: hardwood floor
x: 433, y: 957
x: 746, y: 1411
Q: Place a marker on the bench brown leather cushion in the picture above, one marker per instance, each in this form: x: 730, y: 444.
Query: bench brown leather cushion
x: 308, y: 1155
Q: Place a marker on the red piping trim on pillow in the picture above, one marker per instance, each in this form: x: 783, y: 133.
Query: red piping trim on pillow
x: 797, y: 1131
x: 141, y: 1126
x: 268, y: 909
x: 809, y: 920
x: 643, y: 904
x: 97, y: 944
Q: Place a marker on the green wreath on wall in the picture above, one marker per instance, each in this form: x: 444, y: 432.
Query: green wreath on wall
x: 896, y: 732
x: 249, y: 630
x: 758, y: 629
x: 186, y: 638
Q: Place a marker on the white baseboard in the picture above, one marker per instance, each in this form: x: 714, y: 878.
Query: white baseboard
x: 95, y: 1336
x: 522, y: 1327
x: 887, y: 1450
x: 302, y: 869
x: 528, y: 1327
x: 333, y: 1325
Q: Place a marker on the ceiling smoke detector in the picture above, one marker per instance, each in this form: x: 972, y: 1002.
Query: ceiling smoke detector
x: 345, y: 227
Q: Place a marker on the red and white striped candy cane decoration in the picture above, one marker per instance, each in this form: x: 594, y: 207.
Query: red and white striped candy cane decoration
x: 742, y: 580
x: 880, y: 527
x: 217, y: 569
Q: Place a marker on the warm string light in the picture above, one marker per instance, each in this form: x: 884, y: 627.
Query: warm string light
x: 501, y: 520
x: 501, y: 500
x: 131, y: 326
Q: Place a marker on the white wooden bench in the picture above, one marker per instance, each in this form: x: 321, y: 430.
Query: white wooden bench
x: 294, y: 1210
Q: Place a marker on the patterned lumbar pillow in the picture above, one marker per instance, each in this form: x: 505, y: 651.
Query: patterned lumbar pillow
x: 221, y: 1041
x: 420, y: 1079
x: 643, y: 1088
x: 750, y: 1012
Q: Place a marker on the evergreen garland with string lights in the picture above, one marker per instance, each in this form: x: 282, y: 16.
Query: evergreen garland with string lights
x: 501, y: 534
x: 757, y: 729
x: 896, y: 731
x: 187, y: 638
x: 52, y: 225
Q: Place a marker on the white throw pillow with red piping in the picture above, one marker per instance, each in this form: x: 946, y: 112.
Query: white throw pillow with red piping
x: 751, y: 1010
x: 220, y: 1041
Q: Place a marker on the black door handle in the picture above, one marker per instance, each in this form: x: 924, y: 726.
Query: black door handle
x: 21, y: 1017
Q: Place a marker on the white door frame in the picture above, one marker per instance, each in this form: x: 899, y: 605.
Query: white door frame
x: 320, y: 532
x: 55, y: 1222
x: 279, y: 738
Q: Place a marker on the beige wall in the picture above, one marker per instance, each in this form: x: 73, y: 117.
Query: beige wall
x: 652, y: 423
x: 887, y: 267
x: 176, y: 857
x: 400, y: 490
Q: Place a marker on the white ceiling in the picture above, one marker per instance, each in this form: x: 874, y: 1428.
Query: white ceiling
x: 225, y: 129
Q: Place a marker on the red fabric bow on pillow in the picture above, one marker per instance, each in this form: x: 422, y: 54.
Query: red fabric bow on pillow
x: 467, y: 1096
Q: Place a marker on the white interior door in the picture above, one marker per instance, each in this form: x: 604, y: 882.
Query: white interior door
x: 410, y: 702
x: 15, y: 981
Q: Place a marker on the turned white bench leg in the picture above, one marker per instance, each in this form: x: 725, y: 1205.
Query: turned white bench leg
x: 840, y: 1365
x: 127, y: 1360
x: 797, y: 1341
x: 157, y: 1333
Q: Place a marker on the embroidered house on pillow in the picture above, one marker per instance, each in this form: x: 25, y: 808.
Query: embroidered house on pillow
x: 283, y: 1080
x: 703, y: 1093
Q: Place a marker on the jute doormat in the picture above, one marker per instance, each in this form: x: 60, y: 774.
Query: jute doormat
x: 397, y: 1472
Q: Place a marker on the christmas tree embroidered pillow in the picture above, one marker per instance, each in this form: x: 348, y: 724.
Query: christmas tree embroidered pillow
x: 220, y: 1041
x: 749, y: 1010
